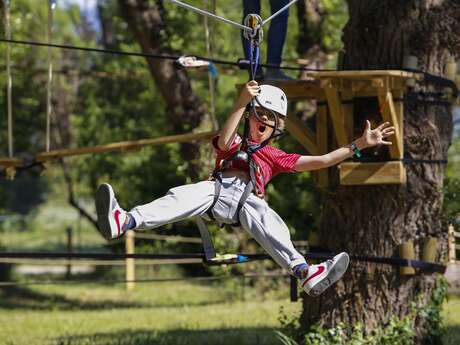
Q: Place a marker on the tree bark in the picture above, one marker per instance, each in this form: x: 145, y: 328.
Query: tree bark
x: 374, y: 220
x: 184, y: 109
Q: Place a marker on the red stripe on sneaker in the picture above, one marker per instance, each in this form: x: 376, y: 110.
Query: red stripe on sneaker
x: 318, y: 272
x: 117, y: 220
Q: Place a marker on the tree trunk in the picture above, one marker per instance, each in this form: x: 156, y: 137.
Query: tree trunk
x: 374, y: 220
x: 184, y: 109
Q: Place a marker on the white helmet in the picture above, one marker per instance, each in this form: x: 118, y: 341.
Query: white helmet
x: 273, y: 98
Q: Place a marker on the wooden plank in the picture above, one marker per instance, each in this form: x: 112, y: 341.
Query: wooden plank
x: 399, y: 108
x: 10, y: 162
x: 322, y: 144
x: 124, y: 145
x: 336, y: 111
x: 457, y: 234
x: 388, y: 111
x: 407, y: 251
x: 302, y: 133
x: 430, y: 248
x: 348, y: 112
x: 372, y: 173
x: 364, y: 74
x: 296, y: 89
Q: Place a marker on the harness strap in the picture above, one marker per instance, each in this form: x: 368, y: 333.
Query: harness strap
x: 218, y: 186
x: 247, y: 192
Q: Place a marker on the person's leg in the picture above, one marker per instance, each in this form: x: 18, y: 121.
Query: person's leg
x: 276, y: 38
x: 250, y: 6
x: 270, y: 231
x: 179, y: 203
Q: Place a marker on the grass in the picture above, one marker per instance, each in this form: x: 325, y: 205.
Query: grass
x: 451, y: 314
x: 162, y: 313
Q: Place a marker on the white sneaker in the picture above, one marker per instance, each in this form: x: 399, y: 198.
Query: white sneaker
x: 110, y: 216
x: 323, y: 275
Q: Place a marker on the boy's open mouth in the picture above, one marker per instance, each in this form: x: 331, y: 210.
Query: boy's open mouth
x: 262, y: 129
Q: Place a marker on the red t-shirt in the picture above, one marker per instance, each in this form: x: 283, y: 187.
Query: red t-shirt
x: 270, y: 161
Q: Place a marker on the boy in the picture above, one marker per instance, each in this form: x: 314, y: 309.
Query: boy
x: 225, y: 198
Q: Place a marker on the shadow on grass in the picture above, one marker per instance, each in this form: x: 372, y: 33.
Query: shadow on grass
x: 452, y: 335
x: 24, y: 298
x: 240, y: 336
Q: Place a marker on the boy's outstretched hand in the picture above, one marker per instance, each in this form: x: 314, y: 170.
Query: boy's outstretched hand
x: 250, y: 90
x: 373, y: 137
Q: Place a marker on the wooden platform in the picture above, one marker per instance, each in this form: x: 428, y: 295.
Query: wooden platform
x: 334, y: 90
x: 352, y: 173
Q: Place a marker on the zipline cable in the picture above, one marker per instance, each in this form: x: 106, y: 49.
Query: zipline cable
x: 394, y: 261
x: 279, y: 12
x: 51, y: 6
x: 241, y: 64
x: 9, y: 82
x: 211, y: 15
x: 152, y: 280
x: 431, y: 78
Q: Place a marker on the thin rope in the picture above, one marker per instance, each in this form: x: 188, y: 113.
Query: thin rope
x: 211, y: 81
x: 279, y: 12
x: 153, y: 280
x: 51, y: 6
x: 9, y: 82
x: 433, y: 78
x: 159, y: 56
x: 211, y: 15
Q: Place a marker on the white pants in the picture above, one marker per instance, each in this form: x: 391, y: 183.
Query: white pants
x: 256, y: 217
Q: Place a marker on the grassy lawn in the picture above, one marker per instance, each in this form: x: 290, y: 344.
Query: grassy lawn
x: 161, y: 313
x: 452, y: 321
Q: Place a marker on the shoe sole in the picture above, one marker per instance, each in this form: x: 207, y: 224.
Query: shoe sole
x: 103, y: 196
x: 336, y: 272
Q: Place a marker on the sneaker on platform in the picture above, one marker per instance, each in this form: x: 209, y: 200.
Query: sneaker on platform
x: 323, y: 275
x: 110, y: 216
x: 275, y: 74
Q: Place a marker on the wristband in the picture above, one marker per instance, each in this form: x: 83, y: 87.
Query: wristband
x: 355, y: 149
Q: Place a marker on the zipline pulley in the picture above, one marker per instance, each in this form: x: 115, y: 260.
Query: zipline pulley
x: 254, y: 21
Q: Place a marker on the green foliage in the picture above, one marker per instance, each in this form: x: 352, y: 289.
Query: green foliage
x: 336, y: 15
x: 432, y: 313
x: 396, y: 332
x: 451, y: 203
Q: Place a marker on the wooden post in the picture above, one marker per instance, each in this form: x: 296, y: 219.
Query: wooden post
x: 322, y: 142
x: 430, y: 249
x: 130, y: 265
x: 69, y: 250
x: 406, y: 251
x: 450, y: 70
x: 336, y: 111
x: 451, y: 244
